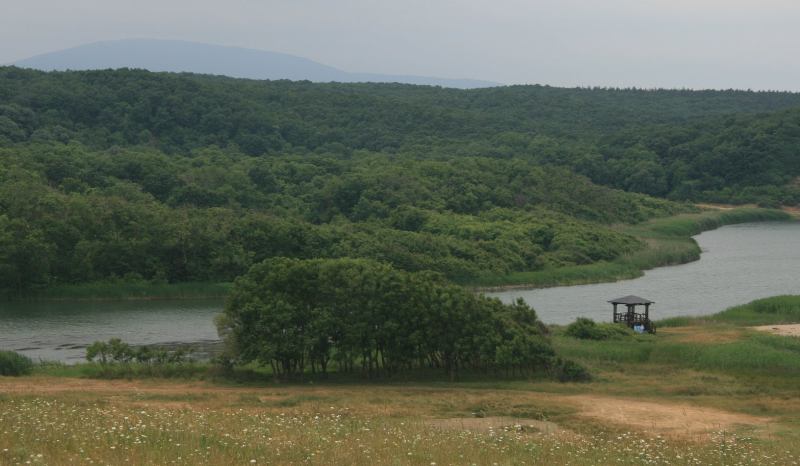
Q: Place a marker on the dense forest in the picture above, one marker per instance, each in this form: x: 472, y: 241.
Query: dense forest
x: 129, y: 174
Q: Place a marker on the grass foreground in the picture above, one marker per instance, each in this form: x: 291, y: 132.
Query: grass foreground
x: 702, y: 391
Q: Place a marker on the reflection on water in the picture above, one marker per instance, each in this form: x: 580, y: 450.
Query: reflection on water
x: 739, y: 263
x: 61, y: 330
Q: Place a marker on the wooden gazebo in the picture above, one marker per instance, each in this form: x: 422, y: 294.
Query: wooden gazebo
x: 630, y: 317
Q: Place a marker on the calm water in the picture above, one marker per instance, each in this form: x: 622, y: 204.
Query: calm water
x: 739, y: 263
x: 60, y: 331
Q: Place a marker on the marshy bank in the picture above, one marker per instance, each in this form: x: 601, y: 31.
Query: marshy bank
x: 665, y: 241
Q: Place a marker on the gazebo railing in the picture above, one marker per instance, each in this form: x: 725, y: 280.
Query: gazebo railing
x: 630, y: 318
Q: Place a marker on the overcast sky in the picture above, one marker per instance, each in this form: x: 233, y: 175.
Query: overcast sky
x: 646, y: 43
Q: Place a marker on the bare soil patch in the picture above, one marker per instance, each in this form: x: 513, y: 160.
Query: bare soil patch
x: 786, y: 330
x: 663, y: 417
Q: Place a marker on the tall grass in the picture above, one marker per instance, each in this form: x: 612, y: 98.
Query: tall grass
x: 749, y: 352
x: 14, y: 364
x: 693, y: 224
x: 768, y: 311
x: 131, y: 370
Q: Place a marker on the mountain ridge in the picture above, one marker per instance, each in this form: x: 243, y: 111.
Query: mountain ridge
x: 202, y: 58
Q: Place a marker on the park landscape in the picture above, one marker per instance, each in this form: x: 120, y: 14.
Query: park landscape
x: 708, y: 390
x: 352, y: 231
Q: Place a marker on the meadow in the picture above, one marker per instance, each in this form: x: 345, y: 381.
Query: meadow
x: 702, y: 391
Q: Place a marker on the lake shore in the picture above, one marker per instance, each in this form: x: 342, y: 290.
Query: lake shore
x: 668, y: 241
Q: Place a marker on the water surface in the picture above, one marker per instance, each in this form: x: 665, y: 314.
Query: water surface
x: 61, y: 330
x: 739, y: 263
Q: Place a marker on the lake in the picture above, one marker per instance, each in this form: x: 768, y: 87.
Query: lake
x: 61, y: 330
x: 740, y: 263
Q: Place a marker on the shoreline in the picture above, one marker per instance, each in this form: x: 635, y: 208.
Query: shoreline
x: 668, y: 241
x: 655, y: 233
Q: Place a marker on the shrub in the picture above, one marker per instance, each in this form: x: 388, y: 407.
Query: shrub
x: 587, y: 329
x: 566, y: 370
x: 117, y: 351
x: 12, y: 363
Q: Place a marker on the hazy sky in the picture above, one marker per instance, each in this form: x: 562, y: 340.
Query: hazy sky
x: 647, y: 43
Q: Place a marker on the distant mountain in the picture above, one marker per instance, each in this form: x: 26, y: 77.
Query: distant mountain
x: 237, y: 62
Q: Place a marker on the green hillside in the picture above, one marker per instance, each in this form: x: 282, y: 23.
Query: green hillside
x: 131, y: 175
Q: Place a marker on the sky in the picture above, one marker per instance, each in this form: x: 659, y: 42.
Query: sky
x: 697, y: 44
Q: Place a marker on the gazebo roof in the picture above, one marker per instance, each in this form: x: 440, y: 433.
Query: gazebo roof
x: 631, y: 300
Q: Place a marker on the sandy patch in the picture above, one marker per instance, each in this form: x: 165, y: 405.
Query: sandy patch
x: 662, y: 417
x: 786, y: 330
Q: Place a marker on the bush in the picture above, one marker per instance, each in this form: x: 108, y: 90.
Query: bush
x: 12, y: 363
x: 566, y: 370
x: 587, y: 329
x: 117, y: 351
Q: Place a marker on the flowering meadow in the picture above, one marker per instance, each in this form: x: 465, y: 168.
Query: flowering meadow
x: 69, y: 430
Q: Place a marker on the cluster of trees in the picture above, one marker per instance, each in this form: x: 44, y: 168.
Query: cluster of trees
x: 356, y: 315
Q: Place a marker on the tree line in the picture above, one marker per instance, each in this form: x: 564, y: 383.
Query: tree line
x: 680, y: 144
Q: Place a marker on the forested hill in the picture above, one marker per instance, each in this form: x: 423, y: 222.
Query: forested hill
x: 174, y: 177
x: 179, y: 112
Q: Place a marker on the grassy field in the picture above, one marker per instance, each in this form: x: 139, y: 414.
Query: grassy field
x: 702, y: 391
